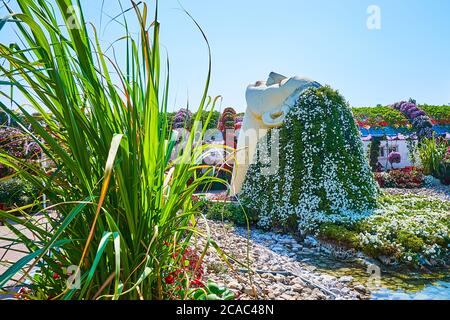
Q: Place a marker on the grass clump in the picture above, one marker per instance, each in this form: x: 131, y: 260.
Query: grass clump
x: 340, y: 234
x: 125, y: 210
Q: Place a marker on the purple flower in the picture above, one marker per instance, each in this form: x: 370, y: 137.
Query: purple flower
x: 398, y: 105
x: 394, y: 157
x: 181, y: 119
x: 416, y: 114
x: 425, y: 133
x: 421, y: 122
x: 407, y: 107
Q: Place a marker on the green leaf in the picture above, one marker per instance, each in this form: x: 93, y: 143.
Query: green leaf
x: 212, y: 297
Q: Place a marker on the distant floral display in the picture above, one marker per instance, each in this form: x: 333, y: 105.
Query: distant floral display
x: 394, y: 157
x: 227, y: 119
x: 182, y: 119
x: 420, y: 122
x: 381, y: 116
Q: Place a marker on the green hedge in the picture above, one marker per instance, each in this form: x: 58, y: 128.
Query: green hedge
x: 373, y: 116
x: 437, y: 113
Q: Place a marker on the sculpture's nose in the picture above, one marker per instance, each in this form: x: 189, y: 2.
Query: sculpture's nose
x: 275, y: 78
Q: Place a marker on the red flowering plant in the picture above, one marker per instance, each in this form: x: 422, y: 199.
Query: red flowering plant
x: 184, y: 274
x: 54, y: 276
x: 406, y: 178
x: 444, y: 168
x: 19, y: 145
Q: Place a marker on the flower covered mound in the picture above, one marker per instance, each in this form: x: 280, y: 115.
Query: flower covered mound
x: 322, y: 174
x: 407, y: 229
x: 410, y: 228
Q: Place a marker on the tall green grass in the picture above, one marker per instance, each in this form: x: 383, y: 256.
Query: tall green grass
x: 123, y: 206
x: 431, y: 152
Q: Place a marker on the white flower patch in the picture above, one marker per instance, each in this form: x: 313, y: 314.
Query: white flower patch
x: 426, y: 219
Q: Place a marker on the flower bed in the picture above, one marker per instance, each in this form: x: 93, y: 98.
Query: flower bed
x: 405, y: 228
x: 383, y: 116
x: 406, y: 178
x: 440, y: 115
x: 380, y: 116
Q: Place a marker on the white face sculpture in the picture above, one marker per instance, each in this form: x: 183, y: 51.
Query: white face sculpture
x: 270, y: 101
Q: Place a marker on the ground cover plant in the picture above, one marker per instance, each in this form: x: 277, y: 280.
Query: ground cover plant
x: 405, y: 229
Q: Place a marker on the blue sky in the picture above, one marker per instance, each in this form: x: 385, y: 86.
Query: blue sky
x: 326, y: 40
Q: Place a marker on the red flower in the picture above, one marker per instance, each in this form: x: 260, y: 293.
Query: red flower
x: 56, y: 276
x: 170, y: 280
x: 197, y: 283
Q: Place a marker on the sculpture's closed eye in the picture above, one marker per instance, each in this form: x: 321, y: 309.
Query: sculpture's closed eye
x: 276, y: 115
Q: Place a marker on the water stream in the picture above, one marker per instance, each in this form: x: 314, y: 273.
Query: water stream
x: 391, y: 284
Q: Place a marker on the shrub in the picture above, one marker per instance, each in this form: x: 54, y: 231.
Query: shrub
x: 374, y: 152
x: 229, y: 211
x: 342, y: 235
x: 444, y: 168
x: 431, y: 152
x: 410, y: 241
x: 16, y: 193
x: 203, y: 116
x: 323, y: 174
x: 406, y: 178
